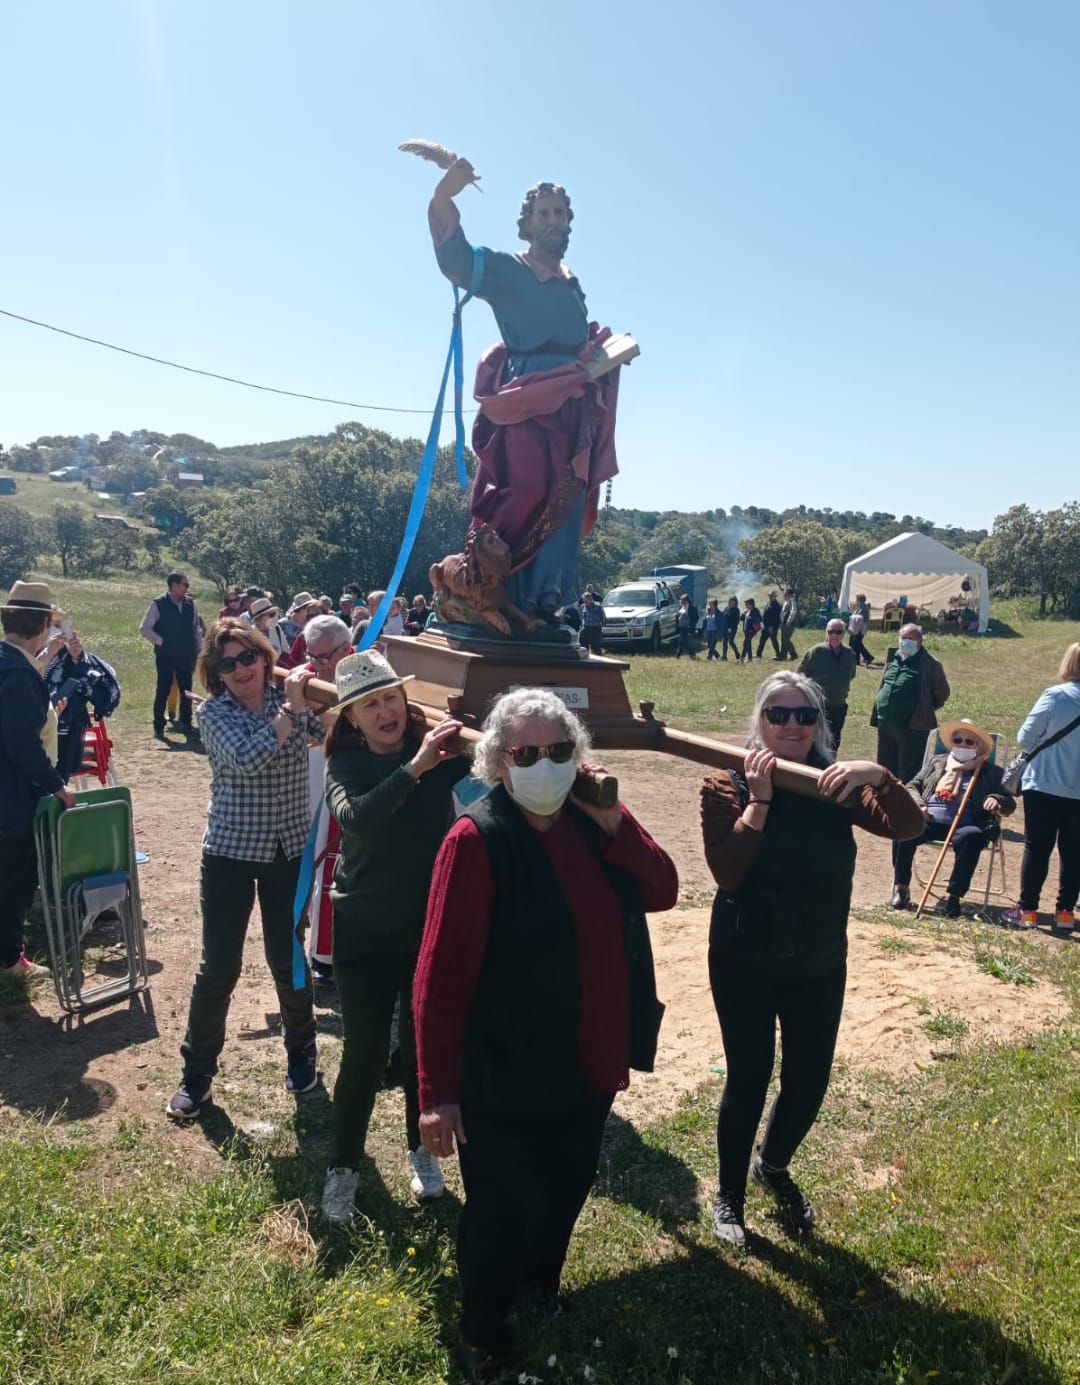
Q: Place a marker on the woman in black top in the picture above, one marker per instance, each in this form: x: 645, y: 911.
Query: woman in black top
x: 784, y: 864
x: 388, y: 786
x: 751, y: 624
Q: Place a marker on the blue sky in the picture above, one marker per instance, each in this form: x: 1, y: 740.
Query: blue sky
x: 845, y: 234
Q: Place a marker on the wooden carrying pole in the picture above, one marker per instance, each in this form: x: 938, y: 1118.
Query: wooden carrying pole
x: 948, y: 841
x: 795, y: 778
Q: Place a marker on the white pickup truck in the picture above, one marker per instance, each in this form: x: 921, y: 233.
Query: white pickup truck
x: 641, y: 614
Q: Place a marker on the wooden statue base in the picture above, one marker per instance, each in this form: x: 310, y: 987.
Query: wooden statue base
x: 466, y: 675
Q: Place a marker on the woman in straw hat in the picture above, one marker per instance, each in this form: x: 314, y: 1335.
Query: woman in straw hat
x: 939, y: 789
x: 265, y: 617
x: 389, y: 782
x: 27, y: 771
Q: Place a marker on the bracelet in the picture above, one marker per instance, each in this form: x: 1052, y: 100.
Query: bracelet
x: 763, y: 801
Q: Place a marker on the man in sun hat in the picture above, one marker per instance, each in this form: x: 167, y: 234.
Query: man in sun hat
x: 304, y: 606
x: 26, y: 771
x: 939, y: 789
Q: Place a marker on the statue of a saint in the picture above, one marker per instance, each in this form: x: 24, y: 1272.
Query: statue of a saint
x: 545, y: 431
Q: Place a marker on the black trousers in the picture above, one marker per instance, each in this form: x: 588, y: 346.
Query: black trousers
x: 18, y: 874
x: 591, y: 637
x: 770, y: 636
x: 967, y: 844
x: 683, y: 645
x: 1048, y: 819
x: 749, y: 1007
x: 861, y: 651
x: 748, y: 647
x: 901, y: 750
x: 730, y: 641
x: 369, y: 990
x: 228, y: 889
x: 836, y: 715
x: 787, y: 649
x: 168, y: 669
x: 526, y: 1180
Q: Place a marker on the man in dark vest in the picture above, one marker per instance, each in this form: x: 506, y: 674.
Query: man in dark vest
x: 175, y: 629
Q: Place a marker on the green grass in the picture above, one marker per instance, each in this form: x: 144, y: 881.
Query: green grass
x: 38, y: 495
x: 949, y: 1205
x: 1006, y: 967
x: 944, y: 1026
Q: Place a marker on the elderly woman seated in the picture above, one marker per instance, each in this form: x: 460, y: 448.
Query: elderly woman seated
x: 939, y: 788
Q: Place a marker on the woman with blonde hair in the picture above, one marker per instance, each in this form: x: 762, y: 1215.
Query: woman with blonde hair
x: 1050, y: 737
x: 783, y: 864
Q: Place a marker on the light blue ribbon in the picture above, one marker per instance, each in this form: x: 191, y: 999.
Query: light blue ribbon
x: 424, y: 477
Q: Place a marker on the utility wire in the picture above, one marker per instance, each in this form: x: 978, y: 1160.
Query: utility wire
x: 212, y: 374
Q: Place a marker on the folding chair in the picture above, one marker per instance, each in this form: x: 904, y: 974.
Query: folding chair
x: 999, y: 756
x: 86, y: 865
x: 97, y: 754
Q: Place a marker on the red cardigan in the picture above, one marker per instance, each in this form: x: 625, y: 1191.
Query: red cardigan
x: 456, y: 935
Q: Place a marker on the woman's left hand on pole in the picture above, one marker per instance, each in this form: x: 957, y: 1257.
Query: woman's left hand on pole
x: 294, y: 688
x: 439, y: 1128
x: 439, y: 744
x: 841, y: 779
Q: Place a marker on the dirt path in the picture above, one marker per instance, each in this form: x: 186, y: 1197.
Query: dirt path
x: 121, y: 1065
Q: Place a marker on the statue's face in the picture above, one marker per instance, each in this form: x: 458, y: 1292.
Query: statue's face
x: 549, y: 226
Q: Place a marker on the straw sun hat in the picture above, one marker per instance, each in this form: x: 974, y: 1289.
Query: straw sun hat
x: 360, y: 674
x: 950, y: 728
x: 32, y: 596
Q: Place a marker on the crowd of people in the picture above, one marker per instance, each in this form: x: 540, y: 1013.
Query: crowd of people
x: 502, y: 937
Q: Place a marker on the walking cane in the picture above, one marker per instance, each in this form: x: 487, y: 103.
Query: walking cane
x: 948, y: 840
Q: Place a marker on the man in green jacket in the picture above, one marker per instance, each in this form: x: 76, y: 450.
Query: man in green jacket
x: 913, y: 689
x: 832, y: 667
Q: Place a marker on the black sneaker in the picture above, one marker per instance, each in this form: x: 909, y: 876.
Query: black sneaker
x: 948, y: 906
x: 303, y: 1070
x: 188, y: 1099
x: 728, y: 1217
x: 796, y: 1210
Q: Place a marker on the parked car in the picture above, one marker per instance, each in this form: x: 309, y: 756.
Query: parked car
x: 641, y: 614
x: 7, y: 485
x: 692, y: 578
x: 118, y: 522
x: 66, y: 473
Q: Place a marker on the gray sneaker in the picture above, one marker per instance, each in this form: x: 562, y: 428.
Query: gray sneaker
x: 189, y: 1098
x: 728, y: 1217
x: 339, y: 1195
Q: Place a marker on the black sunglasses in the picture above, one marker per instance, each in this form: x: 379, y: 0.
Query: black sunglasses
x: 228, y: 662
x: 525, y: 755
x: 780, y: 716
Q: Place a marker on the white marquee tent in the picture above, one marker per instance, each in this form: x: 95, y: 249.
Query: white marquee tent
x: 920, y: 568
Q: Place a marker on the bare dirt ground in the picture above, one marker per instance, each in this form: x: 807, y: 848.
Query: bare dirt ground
x: 121, y: 1064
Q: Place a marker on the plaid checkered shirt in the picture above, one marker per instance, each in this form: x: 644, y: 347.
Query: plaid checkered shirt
x: 259, y: 789
x: 592, y: 615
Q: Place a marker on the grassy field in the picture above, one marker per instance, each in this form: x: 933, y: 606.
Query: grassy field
x: 950, y: 1238
x: 38, y: 495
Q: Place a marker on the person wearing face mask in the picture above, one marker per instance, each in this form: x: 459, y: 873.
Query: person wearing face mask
x: 939, y: 789
x: 783, y: 865
x: 28, y: 733
x: 913, y: 689
x: 266, y: 618
x: 389, y: 782
x: 534, y: 997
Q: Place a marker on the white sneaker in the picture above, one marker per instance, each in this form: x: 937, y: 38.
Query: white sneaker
x: 427, y: 1177
x: 339, y: 1194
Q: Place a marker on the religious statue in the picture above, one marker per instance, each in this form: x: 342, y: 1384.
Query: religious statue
x: 545, y: 431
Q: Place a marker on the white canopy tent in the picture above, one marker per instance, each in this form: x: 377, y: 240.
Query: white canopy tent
x: 920, y: 568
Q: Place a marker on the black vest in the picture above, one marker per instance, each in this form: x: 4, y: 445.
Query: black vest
x: 788, y: 918
x: 521, y: 1040
x: 176, y: 626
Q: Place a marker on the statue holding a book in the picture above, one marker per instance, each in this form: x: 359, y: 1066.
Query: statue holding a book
x: 547, y: 392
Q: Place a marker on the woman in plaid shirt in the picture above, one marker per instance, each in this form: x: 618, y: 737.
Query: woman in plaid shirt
x: 256, y: 737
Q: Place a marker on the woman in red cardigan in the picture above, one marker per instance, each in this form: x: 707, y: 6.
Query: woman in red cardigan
x: 534, y: 996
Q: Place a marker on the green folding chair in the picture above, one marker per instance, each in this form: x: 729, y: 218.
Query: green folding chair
x: 86, y: 865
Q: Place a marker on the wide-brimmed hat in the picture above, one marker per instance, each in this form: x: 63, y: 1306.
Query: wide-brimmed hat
x: 360, y: 674
x: 33, y: 596
x: 949, y: 729
x: 301, y: 600
x: 263, y: 607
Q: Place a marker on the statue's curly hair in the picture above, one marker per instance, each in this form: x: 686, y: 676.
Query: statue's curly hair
x: 533, y: 196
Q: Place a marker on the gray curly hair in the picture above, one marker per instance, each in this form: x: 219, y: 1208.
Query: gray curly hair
x: 523, y: 702
x: 530, y: 200
x: 784, y: 681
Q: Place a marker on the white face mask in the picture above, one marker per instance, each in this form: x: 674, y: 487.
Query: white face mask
x: 544, y: 787
x: 908, y: 648
x: 963, y: 754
